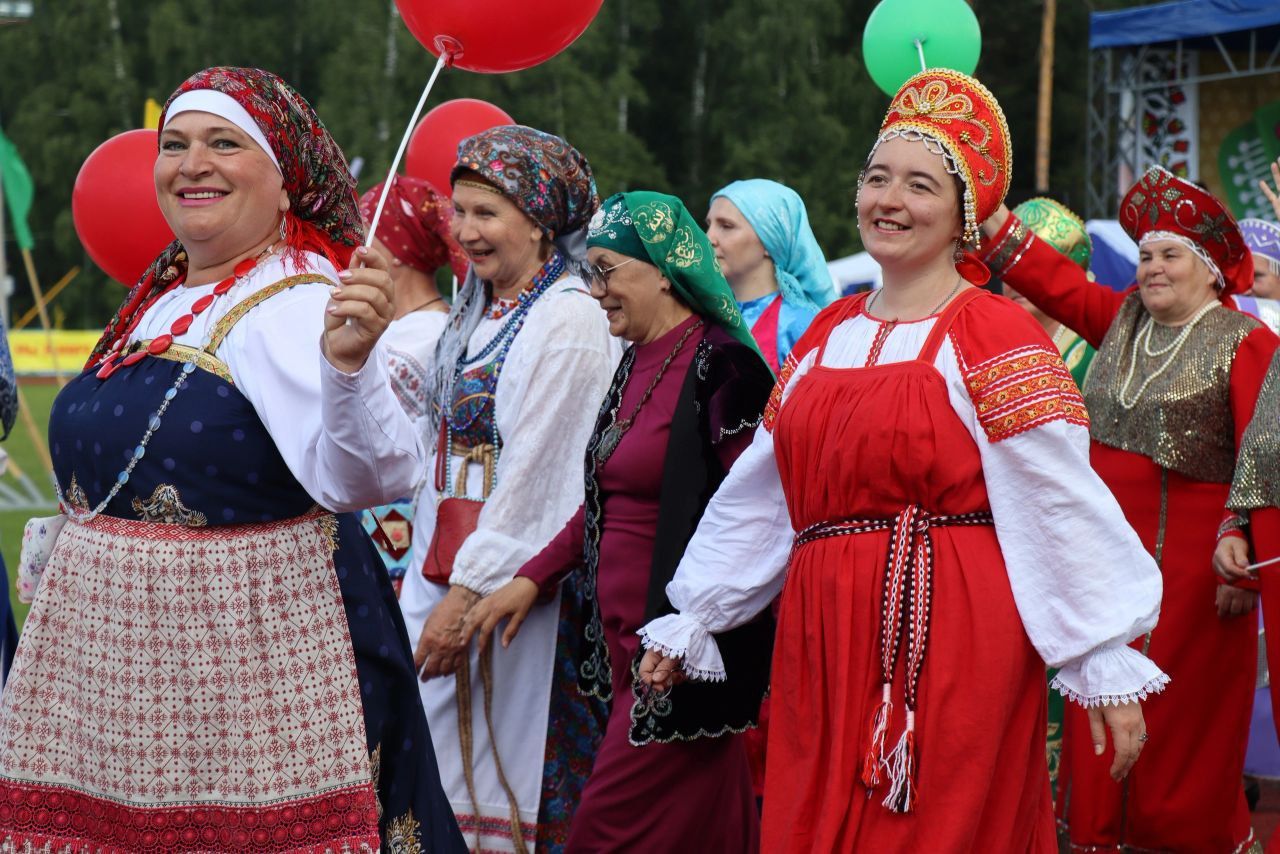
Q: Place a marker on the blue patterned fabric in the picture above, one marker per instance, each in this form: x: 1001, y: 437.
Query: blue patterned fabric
x: 8, y: 386
x: 778, y: 215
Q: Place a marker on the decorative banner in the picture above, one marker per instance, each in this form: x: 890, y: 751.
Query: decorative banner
x: 1168, y: 125
x: 1243, y: 161
x: 32, y: 356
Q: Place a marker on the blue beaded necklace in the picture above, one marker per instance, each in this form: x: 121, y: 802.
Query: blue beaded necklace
x: 153, y: 423
x: 550, y: 273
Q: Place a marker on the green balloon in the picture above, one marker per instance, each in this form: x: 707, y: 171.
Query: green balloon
x: 947, y: 29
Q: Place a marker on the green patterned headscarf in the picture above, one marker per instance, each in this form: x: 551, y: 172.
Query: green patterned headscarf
x: 658, y: 228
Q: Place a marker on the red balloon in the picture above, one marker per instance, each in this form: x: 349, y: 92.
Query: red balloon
x: 499, y: 35
x: 114, y: 206
x: 433, y: 148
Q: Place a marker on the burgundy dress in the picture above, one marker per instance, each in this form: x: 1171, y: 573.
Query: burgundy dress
x: 683, y: 796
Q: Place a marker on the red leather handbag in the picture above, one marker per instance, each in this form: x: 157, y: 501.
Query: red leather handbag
x: 456, y: 518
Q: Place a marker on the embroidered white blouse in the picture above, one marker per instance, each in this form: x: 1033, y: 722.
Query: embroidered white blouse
x: 548, y: 394
x: 344, y: 436
x: 1082, y: 581
x: 411, y: 348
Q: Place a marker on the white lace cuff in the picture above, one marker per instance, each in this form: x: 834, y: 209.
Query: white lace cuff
x: 1109, y: 676
x: 681, y: 636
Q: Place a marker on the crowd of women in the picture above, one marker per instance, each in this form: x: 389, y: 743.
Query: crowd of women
x: 344, y: 567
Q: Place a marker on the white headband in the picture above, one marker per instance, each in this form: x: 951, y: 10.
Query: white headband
x: 223, y: 106
x: 1152, y: 236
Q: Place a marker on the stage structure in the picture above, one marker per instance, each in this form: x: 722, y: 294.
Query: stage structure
x: 1192, y: 85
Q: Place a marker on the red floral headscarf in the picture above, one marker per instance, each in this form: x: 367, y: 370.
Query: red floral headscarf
x: 415, y: 225
x: 323, y: 216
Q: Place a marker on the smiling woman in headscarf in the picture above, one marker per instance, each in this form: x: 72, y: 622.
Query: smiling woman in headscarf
x: 211, y: 661
x: 767, y: 251
x: 524, y: 359
x: 681, y: 408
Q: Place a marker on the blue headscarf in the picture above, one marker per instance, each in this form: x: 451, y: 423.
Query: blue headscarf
x: 778, y: 215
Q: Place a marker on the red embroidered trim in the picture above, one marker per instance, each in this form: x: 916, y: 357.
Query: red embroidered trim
x: 775, y: 397
x: 877, y: 345
x: 119, y: 527
x: 56, y: 817
x: 1022, y: 389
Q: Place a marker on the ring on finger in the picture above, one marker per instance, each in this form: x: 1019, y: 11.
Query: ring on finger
x: 1143, y: 738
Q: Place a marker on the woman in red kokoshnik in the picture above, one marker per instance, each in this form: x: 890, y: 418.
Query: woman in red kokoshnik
x: 922, y: 483
x: 1171, y: 391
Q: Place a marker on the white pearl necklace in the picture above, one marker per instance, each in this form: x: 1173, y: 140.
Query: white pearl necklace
x: 1144, y: 337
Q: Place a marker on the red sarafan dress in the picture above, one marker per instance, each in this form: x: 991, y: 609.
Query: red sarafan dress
x: 891, y: 440
x: 953, y: 449
x: 1168, y: 455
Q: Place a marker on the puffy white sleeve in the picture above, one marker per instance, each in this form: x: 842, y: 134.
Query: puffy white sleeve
x: 344, y: 436
x: 736, y: 562
x: 1083, y: 583
x: 556, y: 374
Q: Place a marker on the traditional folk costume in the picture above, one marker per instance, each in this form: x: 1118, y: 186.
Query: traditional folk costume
x: 778, y: 216
x: 672, y: 772
x: 414, y: 227
x: 1168, y: 407
x: 515, y: 741
x: 925, y: 490
x: 214, y: 659
x: 8, y: 415
x: 1254, y: 506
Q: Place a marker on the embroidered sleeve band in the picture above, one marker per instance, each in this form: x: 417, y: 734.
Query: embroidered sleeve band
x: 1022, y: 389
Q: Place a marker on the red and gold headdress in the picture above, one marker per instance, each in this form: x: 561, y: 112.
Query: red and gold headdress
x: 1162, y: 206
x: 957, y: 118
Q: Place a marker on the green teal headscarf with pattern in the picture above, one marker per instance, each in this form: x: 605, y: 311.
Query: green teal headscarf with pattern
x: 658, y: 228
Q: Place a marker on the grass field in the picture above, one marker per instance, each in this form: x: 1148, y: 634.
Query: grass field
x: 37, y: 397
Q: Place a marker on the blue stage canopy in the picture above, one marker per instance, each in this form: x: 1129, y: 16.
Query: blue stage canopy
x: 1182, y: 19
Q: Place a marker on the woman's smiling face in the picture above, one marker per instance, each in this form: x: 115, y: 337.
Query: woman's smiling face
x: 218, y: 190
x: 908, y: 205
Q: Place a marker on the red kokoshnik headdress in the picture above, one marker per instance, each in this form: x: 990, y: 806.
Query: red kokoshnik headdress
x: 1162, y: 206
x: 957, y: 118
x: 323, y: 215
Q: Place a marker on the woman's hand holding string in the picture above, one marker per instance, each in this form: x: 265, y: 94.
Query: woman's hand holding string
x: 511, y: 602
x: 363, y: 297
x: 442, y: 644
x: 1128, y: 732
x: 1231, y: 560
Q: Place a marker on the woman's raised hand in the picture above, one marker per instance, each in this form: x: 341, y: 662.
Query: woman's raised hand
x: 660, y: 672
x: 1272, y: 193
x: 511, y: 602
x: 364, y: 297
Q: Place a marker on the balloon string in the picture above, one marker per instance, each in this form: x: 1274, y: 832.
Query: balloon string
x: 404, y: 143
x: 920, y: 51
